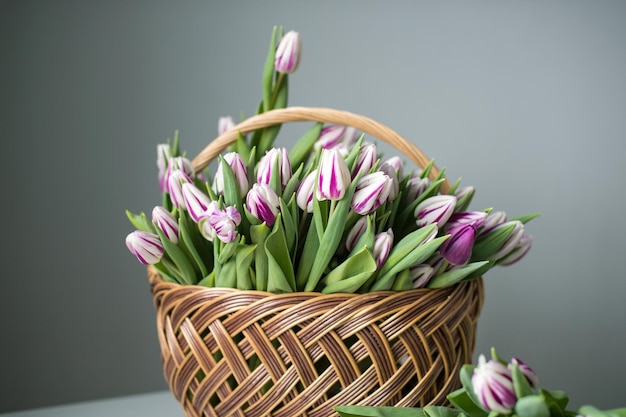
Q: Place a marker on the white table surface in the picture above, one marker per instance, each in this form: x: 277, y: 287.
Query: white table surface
x: 157, y: 404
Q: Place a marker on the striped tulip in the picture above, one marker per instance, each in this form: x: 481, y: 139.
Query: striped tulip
x: 511, y: 242
x: 421, y: 274
x: 225, y: 223
x: 288, y: 53
x: 146, y: 246
x: 335, y: 136
x: 529, y: 373
x: 394, y: 188
x: 519, y: 252
x: 182, y: 163
x: 274, y: 158
x: 163, y: 154
x: 167, y: 223
x: 304, y: 195
x: 196, y: 201
x: 224, y: 124
x: 355, y: 233
x: 238, y: 166
x: 415, y: 186
x: 437, y: 209
x: 493, y: 385
x: 493, y: 219
x: 366, y: 159
x: 262, y: 202
x: 382, y: 246
x: 174, y: 186
x: 476, y: 218
x: 457, y: 249
x: 334, y: 176
x: 372, y: 190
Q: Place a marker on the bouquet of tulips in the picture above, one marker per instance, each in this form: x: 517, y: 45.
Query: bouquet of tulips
x: 490, y: 389
x: 329, y: 215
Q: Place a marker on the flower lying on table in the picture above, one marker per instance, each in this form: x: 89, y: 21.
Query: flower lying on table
x: 490, y: 389
x: 329, y: 215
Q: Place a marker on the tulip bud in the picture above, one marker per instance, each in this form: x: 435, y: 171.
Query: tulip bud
x: 415, y: 186
x: 421, y: 274
x: 164, y: 220
x: 174, y: 185
x: 335, y: 136
x: 394, y: 188
x: 372, y: 190
x: 238, y: 166
x: 224, y: 124
x: 182, y: 163
x: 366, y: 159
x: 225, y: 223
x: 511, y: 241
x: 382, y: 246
x: 493, y: 219
x: 146, y: 246
x: 396, y: 164
x: 493, y: 385
x: 355, y: 233
x: 304, y: 196
x: 288, y: 53
x: 334, y: 176
x: 529, y: 373
x: 519, y: 252
x: 457, y: 249
x: 196, y: 201
x: 163, y: 154
x: 437, y: 209
x: 274, y: 157
x: 262, y: 202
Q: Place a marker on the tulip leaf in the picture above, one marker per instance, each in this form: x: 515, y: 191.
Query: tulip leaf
x: 525, y: 219
x: 179, y: 258
x: 208, y: 281
x: 305, y: 263
x: 520, y: 382
x: 462, y: 400
x: 268, y: 73
x: 404, y: 247
x: 258, y: 235
x: 188, y: 244
x: 301, y: 151
x: 366, y: 240
x: 408, y: 212
x: 367, y: 411
x: 244, y: 258
x: 289, y: 225
x: 591, y: 411
x: 232, y: 196
x: 465, y: 375
x: 242, y: 147
x: 532, y: 406
x: 351, y: 274
x: 140, y: 221
x: 556, y: 400
x: 227, y: 250
x: 293, y: 183
x: 455, y: 275
x: 280, y: 269
x: 227, y: 276
x: 403, y: 281
x: 426, y: 171
x: 488, y: 244
x: 165, y: 273
x: 320, y: 214
x: 440, y: 411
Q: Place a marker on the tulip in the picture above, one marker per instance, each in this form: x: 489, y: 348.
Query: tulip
x: 396, y: 164
x: 421, y: 274
x: 288, y: 53
x: 224, y: 124
x: 372, y: 190
x: 304, y: 196
x: 394, y: 188
x: 274, y: 157
x: 493, y: 219
x: 174, y: 187
x: 196, y: 201
x: 415, y: 186
x: 476, y: 218
x: 238, y: 166
x: 146, y: 246
x: 355, y: 233
x: 182, y: 163
x: 224, y: 223
x: 262, y: 202
x: 366, y: 159
x: 529, y: 373
x: 493, y: 385
x: 382, y: 246
x: 168, y: 224
x: 163, y: 154
x: 519, y: 252
x: 437, y: 209
x: 334, y: 176
x: 335, y: 136
x: 511, y: 241
x: 457, y: 249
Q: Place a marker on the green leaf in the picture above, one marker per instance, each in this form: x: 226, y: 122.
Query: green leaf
x: 305, y: 263
x: 404, y: 247
x: 525, y: 219
x: 520, y: 383
x: 439, y: 411
x: 280, y: 269
x: 456, y: 275
x: 232, y: 196
x: 590, y: 411
x: 268, y: 72
x: 465, y: 375
x: 555, y: 397
x: 187, y: 242
x: 244, y: 258
x: 294, y: 182
x: 403, y: 281
x: 242, y: 147
x: 301, y: 151
x: 227, y: 276
x: 140, y: 221
x: 289, y: 225
x: 532, y: 406
x: 208, y: 281
x: 258, y: 235
x: 363, y: 411
x: 179, y: 258
x: 351, y: 274
x: 461, y: 400
x: 227, y: 250
x: 488, y: 244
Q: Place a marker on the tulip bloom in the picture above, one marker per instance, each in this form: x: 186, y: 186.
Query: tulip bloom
x: 476, y: 218
x: 168, y: 224
x: 274, y: 157
x: 372, y: 190
x: 335, y: 136
x: 416, y: 186
x: 366, y: 159
x: 146, y: 246
x: 262, y: 202
x: 382, y: 246
x: 457, y: 249
x: 519, y: 252
x: 355, y: 233
x: 437, y: 209
x: 529, y: 373
x: 334, y: 176
x: 224, y: 124
x: 396, y: 164
x: 493, y: 385
x: 238, y: 166
x: 288, y: 53
x: 163, y: 154
x: 511, y: 241
x: 304, y: 196
x: 174, y: 186
x: 225, y: 223
x: 182, y: 163
x: 493, y: 219
x: 421, y: 274
x: 196, y: 201
x: 394, y: 188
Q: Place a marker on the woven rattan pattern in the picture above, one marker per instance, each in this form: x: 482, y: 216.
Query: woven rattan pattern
x: 247, y: 353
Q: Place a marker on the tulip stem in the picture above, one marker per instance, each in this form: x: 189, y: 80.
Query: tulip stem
x: 279, y: 81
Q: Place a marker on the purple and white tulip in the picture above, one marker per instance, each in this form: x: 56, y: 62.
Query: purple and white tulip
x: 415, y: 186
x: 163, y: 154
x: 225, y: 222
x: 372, y: 190
x: 520, y: 251
x: 493, y: 219
x: 224, y: 124
x: 529, y: 373
x: 394, y: 188
x: 182, y: 163
x: 334, y: 176
x: 476, y: 218
x: 493, y: 385
x: 165, y: 221
x: 274, y: 157
x: 421, y: 274
x: 395, y: 162
x: 457, y: 249
x: 262, y: 202
x: 511, y: 241
x: 306, y: 190
x: 355, y: 233
x: 196, y: 201
x: 382, y: 246
x: 366, y: 159
x: 288, y: 53
x: 174, y: 187
x: 240, y: 172
x: 436, y: 209
x: 146, y: 246
x: 335, y: 137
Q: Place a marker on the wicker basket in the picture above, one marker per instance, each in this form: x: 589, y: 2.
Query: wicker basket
x: 228, y: 352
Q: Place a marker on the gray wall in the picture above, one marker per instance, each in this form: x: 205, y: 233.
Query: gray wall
x: 524, y: 100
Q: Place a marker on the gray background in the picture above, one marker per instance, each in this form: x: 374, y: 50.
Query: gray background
x: 524, y: 100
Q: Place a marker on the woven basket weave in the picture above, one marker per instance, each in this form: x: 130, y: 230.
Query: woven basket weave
x: 229, y: 352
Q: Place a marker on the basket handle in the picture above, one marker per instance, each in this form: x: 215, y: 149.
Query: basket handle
x: 316, y: 114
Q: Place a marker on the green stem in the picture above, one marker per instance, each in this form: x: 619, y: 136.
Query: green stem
x: 279, y: 82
